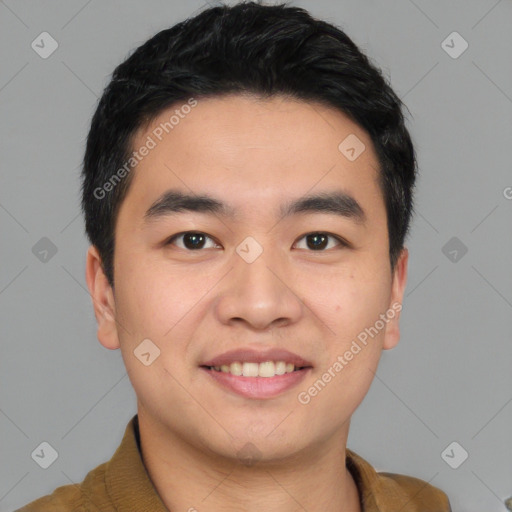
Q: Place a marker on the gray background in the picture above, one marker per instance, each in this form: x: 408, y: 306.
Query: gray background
x: 450, y: 378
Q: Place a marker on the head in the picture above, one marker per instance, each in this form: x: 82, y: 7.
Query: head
x: 255, y: 107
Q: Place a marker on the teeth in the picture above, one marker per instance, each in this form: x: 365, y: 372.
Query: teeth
x: 235, y: 368
x: 280, y: 368
x: 250, y: 369
x: 266, y: 369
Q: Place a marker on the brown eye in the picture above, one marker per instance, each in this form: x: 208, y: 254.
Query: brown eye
x: 191, y: 240
x: 319, y: 241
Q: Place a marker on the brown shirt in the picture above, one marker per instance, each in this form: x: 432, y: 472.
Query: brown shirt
x: 123, y: 485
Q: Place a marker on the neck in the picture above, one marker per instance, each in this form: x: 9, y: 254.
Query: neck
x: 190, y: 479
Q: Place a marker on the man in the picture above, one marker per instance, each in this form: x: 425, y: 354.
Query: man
x: 247, y: 190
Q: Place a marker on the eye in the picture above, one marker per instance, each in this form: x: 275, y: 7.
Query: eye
x: 192, y: 240
x: 318, y: 241
x: 196, y: 240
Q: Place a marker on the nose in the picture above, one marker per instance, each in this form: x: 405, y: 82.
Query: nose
x: 260, y: 294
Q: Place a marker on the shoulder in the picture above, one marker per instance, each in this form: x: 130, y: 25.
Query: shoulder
x: 66, y: 497
x: 389, y: 492
x: 420, y: 495
x: 72, y: 497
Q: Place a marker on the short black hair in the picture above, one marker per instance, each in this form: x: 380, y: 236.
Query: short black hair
x: 247, y: 48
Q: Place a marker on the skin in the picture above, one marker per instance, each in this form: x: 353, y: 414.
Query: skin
x: 195, y: 304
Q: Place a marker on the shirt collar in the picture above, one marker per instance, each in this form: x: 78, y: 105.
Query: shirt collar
x: 366, y: 479
x: 130, y: 488
x: 126, y: 478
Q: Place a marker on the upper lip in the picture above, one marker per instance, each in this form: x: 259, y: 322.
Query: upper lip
x: 250, y: 355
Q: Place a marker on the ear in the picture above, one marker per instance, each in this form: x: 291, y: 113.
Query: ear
x: 392, y: 335
x: 103, y: 299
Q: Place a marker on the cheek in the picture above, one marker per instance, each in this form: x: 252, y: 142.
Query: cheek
x: 353, y: 348
x: 154, y: 306
x: 149, y: 298
x: 162, y: 303
x: 348, y: 305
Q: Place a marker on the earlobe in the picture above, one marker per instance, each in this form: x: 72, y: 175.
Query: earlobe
x: 392, y: 335
x: 102, y: 299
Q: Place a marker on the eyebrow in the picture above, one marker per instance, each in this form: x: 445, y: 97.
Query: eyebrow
x: 173, y: 202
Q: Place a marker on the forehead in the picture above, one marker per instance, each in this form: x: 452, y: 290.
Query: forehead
x: 254, y: 151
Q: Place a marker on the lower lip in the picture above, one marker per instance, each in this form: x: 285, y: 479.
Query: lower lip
x: 258, y: 387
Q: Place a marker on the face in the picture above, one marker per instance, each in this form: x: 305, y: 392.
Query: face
x: 289, y: 251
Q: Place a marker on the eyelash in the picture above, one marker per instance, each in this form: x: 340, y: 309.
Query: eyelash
x: 341, y: 241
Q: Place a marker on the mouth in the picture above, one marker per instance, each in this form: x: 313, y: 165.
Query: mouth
x: 257, y: 375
